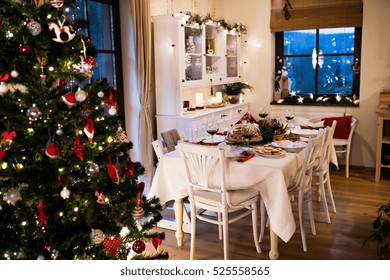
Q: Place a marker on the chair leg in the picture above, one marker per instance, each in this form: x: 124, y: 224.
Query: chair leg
x: 262, y: 220
x: 324, y: 200
x: 193, y: 231
x: 301, y: 222
x: 254, y: 226
x: 347, y: 163
x: 225, y: 230
x: 219, y: 226
x: 329, y: 187
x: 311, y: 217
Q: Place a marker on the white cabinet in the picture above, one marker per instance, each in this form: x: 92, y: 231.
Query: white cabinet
x: 189, y: 60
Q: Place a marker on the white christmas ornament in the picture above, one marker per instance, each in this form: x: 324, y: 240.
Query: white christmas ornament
x: 12, y: 196
x: 65, y: 193
x: 14, y: 74
x: 34, y: 28
x: 80, y: 95
x: 112, y: 111
x: 100, y: 94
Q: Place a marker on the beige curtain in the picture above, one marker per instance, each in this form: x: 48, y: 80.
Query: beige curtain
x: 313, y: 14
x: 136, y: 46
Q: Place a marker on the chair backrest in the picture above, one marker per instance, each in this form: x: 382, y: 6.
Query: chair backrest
x: 202, y: 163
x: 326, y: 146
x: 170, y: 138
x: 158, y: 148
x: 313, y: 149
x: 353, y: 126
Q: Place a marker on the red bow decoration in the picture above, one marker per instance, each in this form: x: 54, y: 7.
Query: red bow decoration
x: 112, y: 172
x: 7, y: 137
x: 5, y: 77
x: 42, y: 218
x: 156, y: 242
x: 112, y: 245
x: 78, y: 148
x: 89, y: 128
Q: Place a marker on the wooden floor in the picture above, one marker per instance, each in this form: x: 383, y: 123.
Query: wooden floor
x: 357, y: 199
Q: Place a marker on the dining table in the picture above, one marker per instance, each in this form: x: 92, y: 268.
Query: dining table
x: 269, y: 175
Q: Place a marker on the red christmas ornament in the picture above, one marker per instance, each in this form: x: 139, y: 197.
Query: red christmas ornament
x: 24, y: 48
x: 138, y: 246
x: 112, y: 172
x: 2, y: 154
x: 100, y: 197
x: 112, y: 245
x: 156, y: 242
x: 69, y: 99
x: 78, y: 148
x: 52, y: 151
x: 42, y: 218
x: 5, y: 77
x: 89, y: 128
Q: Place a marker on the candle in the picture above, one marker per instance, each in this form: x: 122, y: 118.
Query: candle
x: 199, y: 100
x: 219, y: 97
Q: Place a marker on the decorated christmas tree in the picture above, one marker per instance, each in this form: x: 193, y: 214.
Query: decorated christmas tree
x: 68, y: 186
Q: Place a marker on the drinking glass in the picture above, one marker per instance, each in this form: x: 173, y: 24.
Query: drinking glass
x: 289, y: 114
x: 263, y: 112
x: 275, y: 123
x: 247, y: 131
x: 212, y: 127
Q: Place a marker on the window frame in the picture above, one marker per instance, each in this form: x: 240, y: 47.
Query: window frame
x: 279, y: 52
x: 117, y: 51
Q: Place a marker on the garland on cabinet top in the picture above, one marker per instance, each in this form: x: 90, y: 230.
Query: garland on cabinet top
x: 198, y: 19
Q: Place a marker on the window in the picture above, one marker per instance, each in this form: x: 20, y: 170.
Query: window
x: 322, y: 65
x: 103, y: 23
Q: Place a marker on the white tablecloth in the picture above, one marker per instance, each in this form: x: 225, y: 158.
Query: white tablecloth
x: 269, y: 176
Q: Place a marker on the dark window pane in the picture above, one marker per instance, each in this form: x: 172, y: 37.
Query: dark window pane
x: 299, y: 42
x: 101, y: 27
x: 337, y: 40
x: 106, y: 68
x: 335, y: 75
x: 301, y: 73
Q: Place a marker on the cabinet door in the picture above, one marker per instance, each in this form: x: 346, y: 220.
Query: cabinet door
x: 232, y: 58
x: 193, y: 55
x: 215, y: 54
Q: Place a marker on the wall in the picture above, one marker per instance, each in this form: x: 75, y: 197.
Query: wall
x: 258, y: 53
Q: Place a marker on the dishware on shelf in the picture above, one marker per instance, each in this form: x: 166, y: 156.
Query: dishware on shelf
x: 212, y: 127
x: 289, y: 114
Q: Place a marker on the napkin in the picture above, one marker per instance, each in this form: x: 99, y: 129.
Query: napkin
x: 309, y: 125
x: 245, y: 157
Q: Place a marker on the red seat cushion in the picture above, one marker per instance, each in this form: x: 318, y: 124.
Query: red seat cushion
x: 343, y: 126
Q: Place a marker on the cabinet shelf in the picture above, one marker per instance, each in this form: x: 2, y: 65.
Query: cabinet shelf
x: 189, y: 59
x: 383, y: 139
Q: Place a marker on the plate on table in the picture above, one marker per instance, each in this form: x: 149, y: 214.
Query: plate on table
x: 270, y: 152
x: 289, y: 146
x: 305, y: 132
x: 217, y: 139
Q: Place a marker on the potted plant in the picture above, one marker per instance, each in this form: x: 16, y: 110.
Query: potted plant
x: 234, y: 90
x: 381, y: 235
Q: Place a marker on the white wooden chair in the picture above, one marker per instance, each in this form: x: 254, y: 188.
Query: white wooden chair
x: 343, y: 146
x: 321, y: 171
x: 302, y: 186
x: 201, y: 164
x: 159, y: 148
